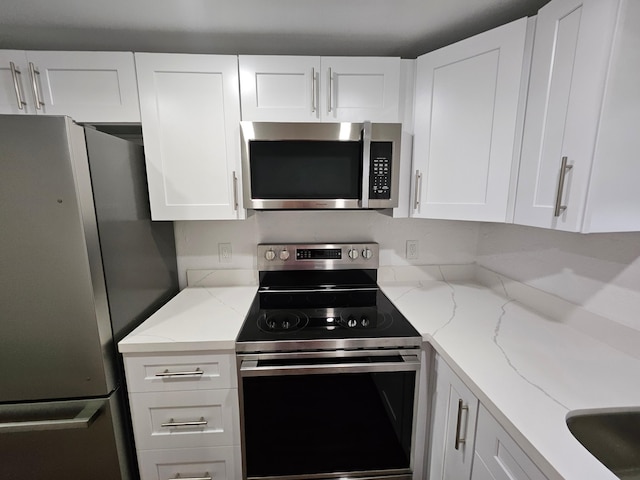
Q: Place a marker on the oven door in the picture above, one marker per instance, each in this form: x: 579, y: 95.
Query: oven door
x: 328, y: 414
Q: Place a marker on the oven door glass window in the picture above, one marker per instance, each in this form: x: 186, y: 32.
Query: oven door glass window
x: 328, y: 423
x: 317, y: 170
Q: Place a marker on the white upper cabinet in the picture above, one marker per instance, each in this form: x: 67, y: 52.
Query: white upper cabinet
x: 313, y: 89
x: 190, y: 106
x: 579, y: 165
x: 467, y: 124
x: 95, y: 87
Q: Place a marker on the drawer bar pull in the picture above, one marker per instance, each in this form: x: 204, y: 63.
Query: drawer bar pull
x: 180, y: 477
x: 197, y: 423
x: 193, y: 373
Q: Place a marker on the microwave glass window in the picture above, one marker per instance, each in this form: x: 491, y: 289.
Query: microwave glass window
x: 306, y: 169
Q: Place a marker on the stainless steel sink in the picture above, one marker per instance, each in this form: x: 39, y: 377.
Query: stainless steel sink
x: 611, y: 437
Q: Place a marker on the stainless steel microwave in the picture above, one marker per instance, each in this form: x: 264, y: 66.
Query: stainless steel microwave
x: 320, y: 165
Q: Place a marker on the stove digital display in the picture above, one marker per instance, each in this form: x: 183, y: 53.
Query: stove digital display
x: 319, y: 254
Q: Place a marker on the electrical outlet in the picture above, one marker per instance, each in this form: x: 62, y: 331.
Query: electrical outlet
x: 224, y: 252
x: 412, y: 249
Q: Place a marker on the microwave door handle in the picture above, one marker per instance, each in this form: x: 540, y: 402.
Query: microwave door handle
x: 366, y: 163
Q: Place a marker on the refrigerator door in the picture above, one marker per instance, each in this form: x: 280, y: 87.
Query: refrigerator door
x: 78, y: 439
x: 54, y: 315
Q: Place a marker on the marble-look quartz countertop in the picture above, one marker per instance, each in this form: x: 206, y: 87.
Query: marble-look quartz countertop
x: 529, y: 369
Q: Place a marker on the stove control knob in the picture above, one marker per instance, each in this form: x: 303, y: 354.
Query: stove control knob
x: 367, y: 253
x: 364, y: 321
x: 270, y: 254
x: 351, y: 322
x: 285, y: 325
x: 353, y: 254
x: 284, y: 255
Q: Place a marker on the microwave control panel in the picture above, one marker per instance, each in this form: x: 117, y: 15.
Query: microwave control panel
x: 380, y: 170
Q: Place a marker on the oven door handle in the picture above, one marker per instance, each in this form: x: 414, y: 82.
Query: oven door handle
x: 251, y: 368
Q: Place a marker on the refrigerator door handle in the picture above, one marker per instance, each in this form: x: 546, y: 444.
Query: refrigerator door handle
x: 49, y: 416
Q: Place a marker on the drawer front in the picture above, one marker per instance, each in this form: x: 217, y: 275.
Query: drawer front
x: 185, y: 419
x: 174, y: 372
x: 220, y: 463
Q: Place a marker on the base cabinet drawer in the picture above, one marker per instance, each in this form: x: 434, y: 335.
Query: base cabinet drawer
x: 185, y: 419
x: 219, y: 463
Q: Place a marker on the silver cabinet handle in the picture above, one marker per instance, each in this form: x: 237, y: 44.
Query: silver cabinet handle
x: 330, y: 102
x: 366, y: 163
x: 313, y: 90
x: 192, y: 373
x: 78, y: 417
x: 459, y: 440
x: 564, y: 168
x: 196, y: 423
x: 16, y: 85
x: 418, y: 186
x: 235, y: 192
x: 179, y: 477
x: 34, y: 85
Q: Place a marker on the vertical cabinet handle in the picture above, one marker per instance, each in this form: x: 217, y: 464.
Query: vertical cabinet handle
x: 330, y: 102
x: 459, y: 440
x: 417, y: 187
x: 313, y: 90
x: 16, y: 85
x: 564, y: 168
x: 34, y: 85
x: 235, y: 191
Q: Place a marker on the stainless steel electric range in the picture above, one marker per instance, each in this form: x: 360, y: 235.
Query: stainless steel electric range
x: 328, y: 368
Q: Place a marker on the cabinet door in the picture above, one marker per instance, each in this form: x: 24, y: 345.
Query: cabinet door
x: 95, y: 87
x: 279, y: 88
x: 467, y: 97
x: 15, y: 93
x: 357, y: 89
x: 190, y: 106
x: 454, y: 422
x: 498, y: 456
x: 568, y: 75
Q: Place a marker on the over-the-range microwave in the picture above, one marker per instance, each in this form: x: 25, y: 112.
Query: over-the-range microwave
x: 320, y: 165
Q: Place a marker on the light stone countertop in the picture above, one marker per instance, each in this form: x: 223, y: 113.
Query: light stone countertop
x: 528, y: 369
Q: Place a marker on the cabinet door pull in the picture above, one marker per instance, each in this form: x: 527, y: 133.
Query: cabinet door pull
x: 313, y: 90
x: 16, y: 85
x: 235, y: 191
x: 192, y: 373
x: 418, y: 186
x: 459, y: 440
x: 207, y: 476
x: 197, y: 423
x: 564, y: 168
x: 330, y: 102
x: 34, y: 85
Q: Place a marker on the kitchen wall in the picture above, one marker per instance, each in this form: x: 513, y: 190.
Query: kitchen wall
x: 439, y: 242
x: 600, y: 272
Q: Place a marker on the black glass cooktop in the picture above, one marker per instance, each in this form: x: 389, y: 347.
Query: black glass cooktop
x: 295, y: 311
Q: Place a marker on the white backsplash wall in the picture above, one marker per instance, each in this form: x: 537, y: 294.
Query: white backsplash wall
x: 439, y: 242
x: 600, y: 272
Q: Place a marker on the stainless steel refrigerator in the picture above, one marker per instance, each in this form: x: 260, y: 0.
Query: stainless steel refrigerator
x: 81, y: 265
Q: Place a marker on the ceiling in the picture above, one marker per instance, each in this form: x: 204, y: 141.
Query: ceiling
x: 405, y: 28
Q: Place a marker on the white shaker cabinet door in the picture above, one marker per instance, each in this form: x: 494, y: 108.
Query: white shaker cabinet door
x: 454, y: 424
x: 15, y: 90
x: 357, y: 89
x: 190, y: 106
x: 279, y: 88
x: 96, y: 87
x: 466, y: 125
x: 568, y: 75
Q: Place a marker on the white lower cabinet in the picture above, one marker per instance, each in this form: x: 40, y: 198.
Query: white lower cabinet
x: 466, y: 442
x: 498, y: 456
x: 185, y: 414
